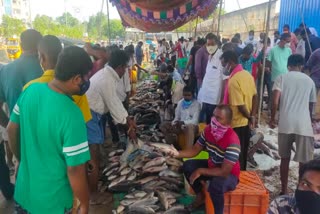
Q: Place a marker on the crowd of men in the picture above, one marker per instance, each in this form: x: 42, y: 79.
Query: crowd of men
x: 60, y: 99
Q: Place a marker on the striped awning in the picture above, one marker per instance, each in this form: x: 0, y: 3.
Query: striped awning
x: 162, y: 15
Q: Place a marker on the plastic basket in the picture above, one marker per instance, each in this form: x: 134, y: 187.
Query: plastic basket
x: 250, y: 197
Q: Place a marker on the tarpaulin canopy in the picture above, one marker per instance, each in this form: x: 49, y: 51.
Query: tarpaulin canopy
x: 162, y: 15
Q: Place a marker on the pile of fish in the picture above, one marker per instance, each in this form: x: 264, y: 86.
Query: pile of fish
x: 152, y: 180
x: 146, y: 106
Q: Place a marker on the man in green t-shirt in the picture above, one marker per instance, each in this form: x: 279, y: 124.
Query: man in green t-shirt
x: 277, y: 61
x: 48, y: 136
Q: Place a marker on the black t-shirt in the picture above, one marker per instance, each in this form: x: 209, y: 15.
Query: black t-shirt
x: 193, y: 52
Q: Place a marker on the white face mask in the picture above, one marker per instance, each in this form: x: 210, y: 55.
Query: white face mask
x: 287, y: 45
x: 212, y: 49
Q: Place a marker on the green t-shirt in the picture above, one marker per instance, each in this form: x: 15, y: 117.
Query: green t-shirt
x: 279, y: 59
x: 53, y: 136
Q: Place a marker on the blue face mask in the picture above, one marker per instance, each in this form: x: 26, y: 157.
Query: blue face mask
x: 84, y: 87
x: 186, y: 104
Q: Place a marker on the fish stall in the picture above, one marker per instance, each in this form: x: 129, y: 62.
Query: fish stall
x: 143, y: 178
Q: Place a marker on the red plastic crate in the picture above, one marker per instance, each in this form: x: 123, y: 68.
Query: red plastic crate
x: 250, y: 197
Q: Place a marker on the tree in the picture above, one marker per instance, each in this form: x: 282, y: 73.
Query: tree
x: 11, y: 26
x: 46, y: 25
x: 68, y: 20
x: 100, y: 22
x: 116, y: 29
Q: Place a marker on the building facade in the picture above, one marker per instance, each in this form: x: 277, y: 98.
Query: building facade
x: 19, y: 9
x: 242, y: 21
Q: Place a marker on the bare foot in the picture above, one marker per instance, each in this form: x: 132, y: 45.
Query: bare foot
x: 198, y: 202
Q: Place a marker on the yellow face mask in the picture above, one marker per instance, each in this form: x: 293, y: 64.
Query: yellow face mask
x: 212, y: 49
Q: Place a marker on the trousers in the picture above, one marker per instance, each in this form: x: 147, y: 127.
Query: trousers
x: 6, y: 186
x: 244, y: 137
x: 217, y: 185
x: 206, y: 112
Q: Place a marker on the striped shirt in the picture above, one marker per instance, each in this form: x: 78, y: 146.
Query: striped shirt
x: 226, y: 149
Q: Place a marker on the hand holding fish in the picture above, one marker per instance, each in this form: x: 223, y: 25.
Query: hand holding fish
x: 173, y: 153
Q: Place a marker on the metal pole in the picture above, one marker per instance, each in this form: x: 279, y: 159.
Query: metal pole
x: 109, y: 32
x: 195, y: 30
x: 219, y: 18
x: 65, y: 13
x: 30, y: 17
x: 264, y: 62
x: 304, y: 26
x: 101, y: 15
x: 242, y: 15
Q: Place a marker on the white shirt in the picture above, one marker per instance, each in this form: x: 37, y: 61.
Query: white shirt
x: 124, y: 85
x: 102, y: 95
x: 301, y: 48
x: 313, y: 31
x: 161, y: 50
x: 297, y: 91
x: 189, y: 115
x: 210, y: 91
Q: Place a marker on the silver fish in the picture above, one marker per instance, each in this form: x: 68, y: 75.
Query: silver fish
x: 114, y: 159
x: 138, y: 166
x: 122, y: 166
x: 171, y: 201
x: 170, y: 194
x: 164, y: 147
x: 116, y: 181
x: 110, y: 166
x: 152, y: 185
x: 136, y: 194
x: 154, y: 162
x: 145, y: 202
x: 174, y: 162
x: 169, y: 173
x: 127, y: 202
x: 154, y: 207
x: 163, y: 200
x: 176, y: 181
x: 155, y: 169
x: 147, y: 179
x: 132, y: 176
x: 140, y: 210
x: 125, y: 171
x: 120, y: 208
x: 111, y: 171
x: 178, y: 209
x: 112, y: 177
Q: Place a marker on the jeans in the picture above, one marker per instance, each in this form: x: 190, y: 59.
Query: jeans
x: 6, y: 186
x: 217, y: 185
x: 206, y: 112
x: 266, y: 83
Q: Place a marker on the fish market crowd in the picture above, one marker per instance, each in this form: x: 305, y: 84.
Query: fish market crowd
x: 182, y: 122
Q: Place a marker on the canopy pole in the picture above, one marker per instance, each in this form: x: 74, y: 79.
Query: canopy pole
x: 108, y: 17
x: 242, y: 16
x: 195, y: 30
x: 264, y: 63
x: 101, y: 15
x: 304, y: 26
x: 219, y: 18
